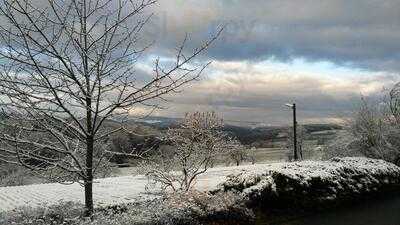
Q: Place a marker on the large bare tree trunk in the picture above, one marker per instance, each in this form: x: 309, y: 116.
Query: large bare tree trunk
x: 89, y: 178
x: 88, y: 198
x: 89, y: 125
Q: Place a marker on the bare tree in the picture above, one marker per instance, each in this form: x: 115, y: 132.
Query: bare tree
x: 197, y: 143
x: 237, y: 152
x: 372, y: 131
x: 394, y: 102
x: 68, y: 66
x: 376, y: 131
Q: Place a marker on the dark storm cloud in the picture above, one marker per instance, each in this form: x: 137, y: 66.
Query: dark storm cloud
x: 357, y: 33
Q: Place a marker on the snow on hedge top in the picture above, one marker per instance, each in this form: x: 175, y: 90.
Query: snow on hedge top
x: 330, y: 168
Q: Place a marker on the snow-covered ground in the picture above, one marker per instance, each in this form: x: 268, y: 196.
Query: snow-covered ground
x: 107, y: 191
x: 251, y: 178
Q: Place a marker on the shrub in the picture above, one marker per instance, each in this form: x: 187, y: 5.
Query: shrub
x: 14, y: 175
x: 66, y: 213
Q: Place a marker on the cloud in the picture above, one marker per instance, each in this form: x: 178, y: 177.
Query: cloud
x: 257, y: 92
x: 361, y: 34
x: 321, y: 54
x: 354, y: 33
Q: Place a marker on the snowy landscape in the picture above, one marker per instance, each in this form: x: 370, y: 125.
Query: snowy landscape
x: 261, y: 185
x: 187, y: 112
x: 363, y: 175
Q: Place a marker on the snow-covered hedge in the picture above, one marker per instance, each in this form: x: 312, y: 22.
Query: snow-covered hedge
x: 311, y: 183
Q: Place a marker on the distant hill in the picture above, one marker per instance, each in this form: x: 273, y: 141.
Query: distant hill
x: 157, y: 121
x: 274, y: 133
x: 321, y: 127
x: 247, y: 135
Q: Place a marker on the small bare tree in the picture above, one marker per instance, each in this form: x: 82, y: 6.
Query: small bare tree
x: 237, y: 152
x: 67, y: 67
x: 197, y: 143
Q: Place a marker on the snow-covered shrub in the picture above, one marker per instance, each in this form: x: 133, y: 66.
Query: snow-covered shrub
x: 209, y: 208
x: 197, y: 143
x: 179, y: 208
x: 65, y: 213
x: 11, y: 175
x: 14, y: 175
x: 154, y: 212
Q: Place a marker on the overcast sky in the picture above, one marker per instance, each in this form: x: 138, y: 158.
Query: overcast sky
x: 321, y: 54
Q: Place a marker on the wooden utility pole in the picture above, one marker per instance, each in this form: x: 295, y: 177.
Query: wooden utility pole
x: 293, y: 107
x: 294, y: 132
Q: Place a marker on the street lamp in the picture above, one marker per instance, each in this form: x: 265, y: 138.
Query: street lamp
x: 293, y: 106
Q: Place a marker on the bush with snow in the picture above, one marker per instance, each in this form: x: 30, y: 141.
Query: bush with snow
x: 66, y: 213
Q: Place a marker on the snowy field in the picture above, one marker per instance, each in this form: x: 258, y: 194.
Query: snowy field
x: 107, y: 191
